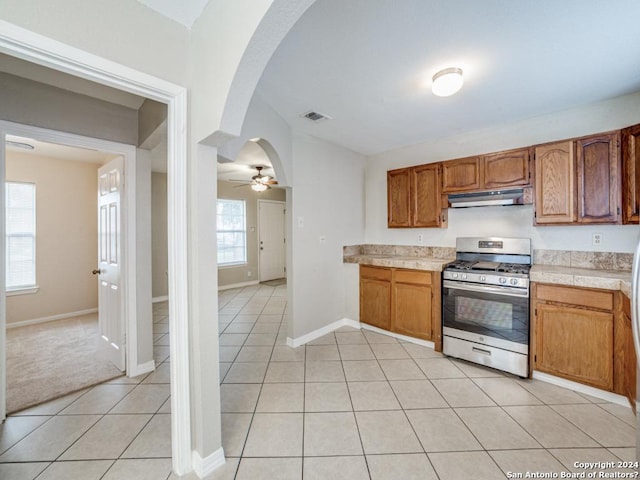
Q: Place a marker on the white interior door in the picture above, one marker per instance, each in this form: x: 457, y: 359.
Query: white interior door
x: 272, y: 240
x: 110, y: 311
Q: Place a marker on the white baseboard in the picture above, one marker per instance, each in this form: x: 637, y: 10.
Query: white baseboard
x: 204, y: 467
x: 164, y: 298
x: 237, y: 285
x: 347, y: 322
x: 320, y: 332
x: 404, y: 338
x: 579, y: 387
x: 61, y: 316
x: 142, y: 368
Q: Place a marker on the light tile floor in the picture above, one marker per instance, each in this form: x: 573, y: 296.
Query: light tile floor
x: 350, y: 405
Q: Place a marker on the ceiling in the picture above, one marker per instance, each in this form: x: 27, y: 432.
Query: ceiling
x: 368, y: 64
x: 185, y: 12
x: 61, y: 152
x: 250, y: 155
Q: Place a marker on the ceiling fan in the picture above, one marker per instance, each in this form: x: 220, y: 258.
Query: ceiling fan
x: 258, y: 182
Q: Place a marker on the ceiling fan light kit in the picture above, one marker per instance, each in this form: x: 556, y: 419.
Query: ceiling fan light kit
x: 259, y: 182
x: 259, y: 187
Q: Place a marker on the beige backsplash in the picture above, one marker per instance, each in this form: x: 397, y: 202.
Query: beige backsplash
x: 576, y: 259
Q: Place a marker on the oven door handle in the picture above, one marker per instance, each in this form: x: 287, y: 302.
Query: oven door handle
x: 507, y: 291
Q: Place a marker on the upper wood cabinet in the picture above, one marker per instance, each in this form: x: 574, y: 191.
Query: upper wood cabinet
x: 426, y: 208
x: 496, y: 170
x: 461, y: 175
x: 506, y: 169
x: 399, y: 198
x: 631, y: 175
x: 598, y: 178
x: 578, y: 181
x: 554, y: 179
x: 414, y: 197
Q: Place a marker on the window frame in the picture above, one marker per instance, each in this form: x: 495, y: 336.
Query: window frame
x: 25, y: 288
x: 245, y: 260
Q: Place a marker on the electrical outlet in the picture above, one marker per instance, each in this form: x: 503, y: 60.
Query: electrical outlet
x: 597, y: 239
x: 300, y: 222
x: 248, y: 274
x: 420, y: 238
x: 323, y: 239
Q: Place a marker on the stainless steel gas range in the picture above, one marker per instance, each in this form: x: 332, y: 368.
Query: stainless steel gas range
x: 485, y: 303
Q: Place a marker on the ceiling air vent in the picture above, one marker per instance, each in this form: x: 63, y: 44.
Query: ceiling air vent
x: 316, y: 116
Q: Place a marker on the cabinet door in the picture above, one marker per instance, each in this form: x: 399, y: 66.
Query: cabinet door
x: 506, y: 169
x: 575, y: 343
x: 597, y: 167
x: 375, y: 302
x: 461, y: 175
x: 399, y: 198
x: 631, y: 175
x: 554, y: 179
x: 628, y: 354
x: 412, y: 310
x: 425, y: 196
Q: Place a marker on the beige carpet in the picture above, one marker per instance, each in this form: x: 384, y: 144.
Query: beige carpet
x: 48, y: 360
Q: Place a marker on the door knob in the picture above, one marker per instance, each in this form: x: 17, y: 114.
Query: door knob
x: 96, y: 272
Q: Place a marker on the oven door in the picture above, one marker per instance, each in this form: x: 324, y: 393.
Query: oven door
x: 487, y: 311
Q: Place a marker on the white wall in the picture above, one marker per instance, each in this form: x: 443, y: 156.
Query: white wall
x: 66, y: 236
x: 124, y: 31
x: 502, y: 221
x: 159, y: 247
x: 33, y: 103
x: 328, y: 195
x: 144, y: 316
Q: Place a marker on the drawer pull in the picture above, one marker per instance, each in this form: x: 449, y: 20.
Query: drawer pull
x: 481, y: 350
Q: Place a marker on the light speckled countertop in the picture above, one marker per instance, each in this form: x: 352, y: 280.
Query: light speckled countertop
x: 431, y: 264
x: 583, y: 277
x: 571, y: 276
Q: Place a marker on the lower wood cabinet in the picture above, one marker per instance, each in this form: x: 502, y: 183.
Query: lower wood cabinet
x: 402, y: 301
x: 375, y: 296
x: 581, y: 334
x: 627, y: 352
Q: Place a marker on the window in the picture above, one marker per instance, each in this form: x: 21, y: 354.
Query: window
x: 232, y: 232
x: 21, y: 235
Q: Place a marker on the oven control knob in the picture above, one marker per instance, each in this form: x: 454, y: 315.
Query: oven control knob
x: 483, y: 278
x: 503, y: 280
x: 464, y: 276
x: 454, y: 275
x: 514, y: 281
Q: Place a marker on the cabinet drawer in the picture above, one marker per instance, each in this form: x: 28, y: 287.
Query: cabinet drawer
x: 376, y: 273
x: 575, y: 296
x: 412, y: 276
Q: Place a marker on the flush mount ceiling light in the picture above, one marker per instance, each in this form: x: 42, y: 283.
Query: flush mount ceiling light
x: 447, y: 82
x: 26, y: 146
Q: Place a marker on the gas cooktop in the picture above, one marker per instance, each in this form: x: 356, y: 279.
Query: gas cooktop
x: 516, y: 268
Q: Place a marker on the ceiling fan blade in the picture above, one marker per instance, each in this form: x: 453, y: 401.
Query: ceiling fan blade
x: 242, y: 185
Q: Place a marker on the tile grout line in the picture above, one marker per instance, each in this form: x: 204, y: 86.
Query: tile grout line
x: 353, y: 412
